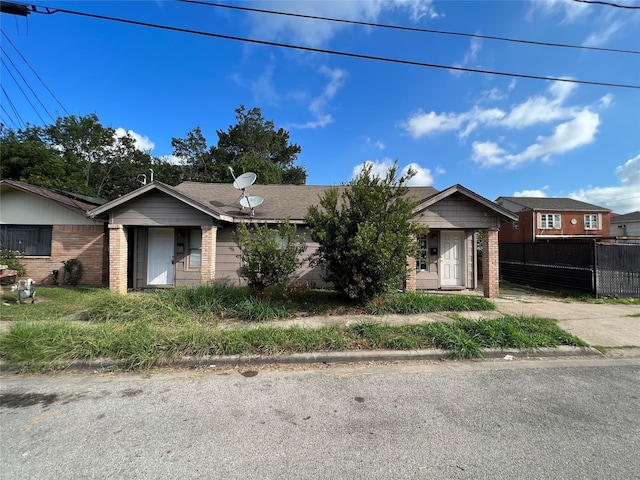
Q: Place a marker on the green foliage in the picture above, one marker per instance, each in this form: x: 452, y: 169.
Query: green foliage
x: 253, y: 144
x: 365, y: 233
x: 72, y: 271
x: 80, y: 155
x: 11, y: 258
x: 406, y: 303
x: 268, y: 255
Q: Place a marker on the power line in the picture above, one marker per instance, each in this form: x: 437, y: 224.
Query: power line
x: 25, y: 81
x: 50, y: 11
x: 412, y: 29
x: 23, y: 92
x: 35, y: 73
x: 12, y: 105
x: 9, y: 116
x: 608, y: 4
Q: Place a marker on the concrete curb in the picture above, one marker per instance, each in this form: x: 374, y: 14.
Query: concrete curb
x: 359, y: 356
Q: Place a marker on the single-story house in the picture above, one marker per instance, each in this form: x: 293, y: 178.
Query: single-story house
x: 48, y: 227
x: 627, y: 225
x: 543, y: 219
x: 162, y: 236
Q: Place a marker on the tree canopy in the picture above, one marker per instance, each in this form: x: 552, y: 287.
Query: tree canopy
x: 80, y: 155
x: 365, y: 233
x: 253, y: 144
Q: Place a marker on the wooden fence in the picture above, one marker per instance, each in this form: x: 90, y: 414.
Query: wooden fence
x: 603, y: 269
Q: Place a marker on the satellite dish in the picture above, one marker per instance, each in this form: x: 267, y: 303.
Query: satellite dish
x: 245, y: 180
x: 251, y: 201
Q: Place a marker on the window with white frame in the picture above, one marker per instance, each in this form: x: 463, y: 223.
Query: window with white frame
x: 516, y: 224
x: 592, y: 222
x: 195, y: 247
x: 422, y: 262
x: 550, y: 221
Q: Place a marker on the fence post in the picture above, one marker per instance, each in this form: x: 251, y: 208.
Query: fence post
x: 594, y: 281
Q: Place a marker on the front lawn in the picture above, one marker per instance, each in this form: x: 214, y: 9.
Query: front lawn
x: 145, y: 329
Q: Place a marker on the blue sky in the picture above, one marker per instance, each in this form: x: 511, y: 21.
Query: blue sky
x: 495, y: 134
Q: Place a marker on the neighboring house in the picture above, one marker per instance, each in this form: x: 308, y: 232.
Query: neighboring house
x: 49, y: 227
x: 162, y: 236
x: 545, y: 219
x: 627, y: 225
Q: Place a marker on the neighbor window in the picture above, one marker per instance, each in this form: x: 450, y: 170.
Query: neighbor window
x: 29, y: 240
x: 422, y: 262
x: 591, y: 222
x: 550, y: 220
x: 515, y: 225
x: 195, y: 247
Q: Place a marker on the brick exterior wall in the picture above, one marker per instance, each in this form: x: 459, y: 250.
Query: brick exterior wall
x: 117, y: 259
x: 527, y: 219
x: 209, y: 246
x: 84, y: 242
x: 411, y: 274
x: 490, y: 263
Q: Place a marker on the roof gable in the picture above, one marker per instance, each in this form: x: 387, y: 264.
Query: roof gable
x: 459, y: 189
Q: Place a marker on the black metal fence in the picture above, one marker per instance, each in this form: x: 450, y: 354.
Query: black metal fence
x: 603, y: 269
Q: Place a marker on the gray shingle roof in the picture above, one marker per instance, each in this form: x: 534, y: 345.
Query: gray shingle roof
x: 556, y: 204
x: 627, y: 217
x: 280, y: 201
x: 80, y: 203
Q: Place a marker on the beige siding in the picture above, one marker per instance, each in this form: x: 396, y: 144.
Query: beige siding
x: 227, y: 262
x: 158, y: 209
x: 20, y: 208
x: 458, y: 212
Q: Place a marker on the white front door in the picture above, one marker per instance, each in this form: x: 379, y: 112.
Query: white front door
x: 451, y: 259
x: 160, y: 256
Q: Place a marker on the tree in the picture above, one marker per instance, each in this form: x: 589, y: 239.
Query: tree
x: 80, y: 155
x: 366, y: 233
x: 268, y: 255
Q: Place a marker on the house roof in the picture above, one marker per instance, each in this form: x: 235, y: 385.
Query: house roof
x: 280, y: 201
x: 73, y: 201
x: 627, y: 217
x: 555, y: 204
x: 222, y: 200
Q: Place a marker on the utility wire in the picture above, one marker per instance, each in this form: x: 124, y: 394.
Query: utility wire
x: 608, y: 4
x: 12, y: 105
x: 25, y: 81
x: 50, y: 11
x: 411, y: 29
x: 23, y: 92
x: 9, y: 116
x: 35, y: 73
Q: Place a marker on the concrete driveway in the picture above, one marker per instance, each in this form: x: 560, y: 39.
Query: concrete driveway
x: 609, y: 325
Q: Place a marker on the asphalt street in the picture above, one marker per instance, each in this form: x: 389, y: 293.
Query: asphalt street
x: 572, y: 418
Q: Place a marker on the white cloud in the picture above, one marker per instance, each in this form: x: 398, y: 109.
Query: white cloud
x: 380, y: 168
x: 568, y: 10
x: 624, y: 198
x: 537, y: 109
x: 318, y: 105
x: 470, y: 56
x: 579, y: 131
x: 378, y: 144
x: 141, y: 142
x: 532, y: 193
x: 317, y: 33
x: 601, y: 37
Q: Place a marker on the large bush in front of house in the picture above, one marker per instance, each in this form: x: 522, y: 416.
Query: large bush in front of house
x: 268, y: 255
x: 366, y: 233
x: 11, y: 258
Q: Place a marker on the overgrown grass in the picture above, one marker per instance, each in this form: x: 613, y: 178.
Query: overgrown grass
x: 416, y: 302
x: 141, y: 344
